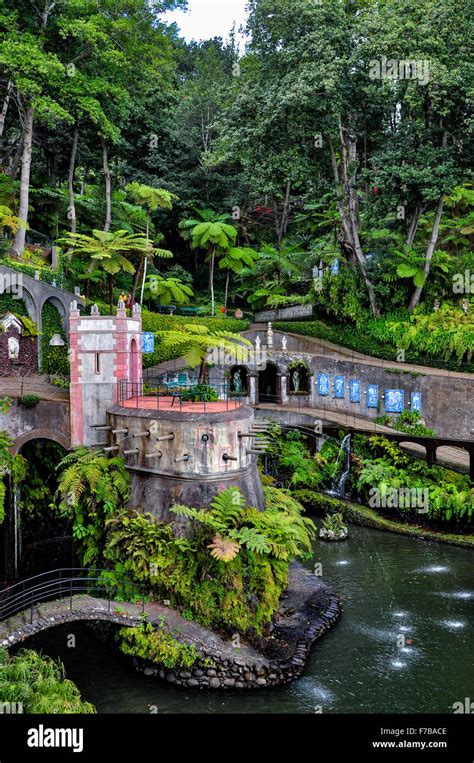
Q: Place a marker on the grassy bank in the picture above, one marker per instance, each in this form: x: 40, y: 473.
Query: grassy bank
x: 363, y: 515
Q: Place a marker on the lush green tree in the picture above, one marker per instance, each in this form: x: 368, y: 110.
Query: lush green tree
x: 213, y: 234
x: 166, y: 290
x: 109, y: 251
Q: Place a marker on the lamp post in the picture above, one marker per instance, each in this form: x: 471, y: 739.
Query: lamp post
x: 55, y: 341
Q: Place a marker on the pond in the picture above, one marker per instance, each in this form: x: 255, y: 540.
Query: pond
x: 402, y: 645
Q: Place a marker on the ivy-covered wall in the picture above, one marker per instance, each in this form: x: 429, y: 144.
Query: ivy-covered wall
x: 10, y: 305
x: 54, y: 360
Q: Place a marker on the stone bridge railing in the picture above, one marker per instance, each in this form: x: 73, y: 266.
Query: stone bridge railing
x: 62, y: 595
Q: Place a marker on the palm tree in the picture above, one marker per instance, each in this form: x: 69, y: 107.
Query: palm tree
x: 166, y: 290
x: 109, y: 250
x: 212, y: 233
x: 194, y: 342
x: 151, y: 199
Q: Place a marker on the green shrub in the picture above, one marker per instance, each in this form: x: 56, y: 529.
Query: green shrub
x: 230, y: 574
x: 157, y: 646
x: 8, y: 304
x: 381, y: 464
x: 29, y: 401
x: 200, y: 393
x: 156, y: 322
x: 381, y: 342
x: 39, y: 683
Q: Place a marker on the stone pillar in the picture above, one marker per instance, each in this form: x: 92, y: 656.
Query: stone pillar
x: 252, y: 389
x: 284, y: 393
x: 313, y: 391
x: 75, y: 391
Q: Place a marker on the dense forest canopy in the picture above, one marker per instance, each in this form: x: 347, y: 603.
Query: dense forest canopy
x: 342, y: 133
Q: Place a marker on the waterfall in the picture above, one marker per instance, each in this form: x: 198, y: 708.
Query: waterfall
x: 338, y: 487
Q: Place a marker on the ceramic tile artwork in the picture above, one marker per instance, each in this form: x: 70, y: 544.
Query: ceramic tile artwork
x: 148, y: 342
x: 339, y: 383
x: 415, y: 401
x: 372, y: 395
x: 323, y: 384
x: 354, y: 391
x: 335, y: 267
x: 394, y: 400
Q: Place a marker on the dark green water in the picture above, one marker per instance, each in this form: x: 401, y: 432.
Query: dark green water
x: 392, y: 586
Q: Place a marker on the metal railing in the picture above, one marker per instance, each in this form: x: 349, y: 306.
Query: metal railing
x: 158, y: 392
x: 65, y: 583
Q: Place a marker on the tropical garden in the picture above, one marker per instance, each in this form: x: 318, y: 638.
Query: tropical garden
x: 207, y: 181
x: 165, y: 170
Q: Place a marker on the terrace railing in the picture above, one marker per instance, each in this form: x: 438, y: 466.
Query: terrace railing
x: 157, y: 394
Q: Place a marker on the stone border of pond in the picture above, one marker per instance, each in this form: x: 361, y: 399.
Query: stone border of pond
x: 364, y: 516
x: 308, y: 609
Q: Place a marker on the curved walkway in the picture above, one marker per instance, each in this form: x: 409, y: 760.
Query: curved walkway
x: 50, y: 614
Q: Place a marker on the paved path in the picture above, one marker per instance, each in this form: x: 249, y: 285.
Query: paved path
x: 53, y: 613
x: 17, y: 386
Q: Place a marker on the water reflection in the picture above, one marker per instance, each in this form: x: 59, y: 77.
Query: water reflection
x: 388, y: 593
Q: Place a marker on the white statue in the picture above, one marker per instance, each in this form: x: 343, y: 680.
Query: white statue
x: 13, y: 348
x: 284, y: 342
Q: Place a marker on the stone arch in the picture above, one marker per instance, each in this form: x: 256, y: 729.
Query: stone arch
x: 41, y: 434
x: 60, y: 307
x: 269, y: 384
x: 27, y: 296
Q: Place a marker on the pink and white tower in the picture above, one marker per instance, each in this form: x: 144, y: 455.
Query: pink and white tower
x: 104, y: 351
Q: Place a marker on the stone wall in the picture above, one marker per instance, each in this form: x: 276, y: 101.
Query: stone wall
x: 49, y: 420
x: 447, y: 400
x: 204, y: 438
x: 27, y: 362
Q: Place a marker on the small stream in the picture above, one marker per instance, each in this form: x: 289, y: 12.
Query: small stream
x: 392, y: 587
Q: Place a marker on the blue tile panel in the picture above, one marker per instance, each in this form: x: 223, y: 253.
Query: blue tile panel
x: 354, y: 391
x: 394, y: 400
x: 415, y: 401
x: 372, y: 395
x: 339, y: 383
x: 323, y: 384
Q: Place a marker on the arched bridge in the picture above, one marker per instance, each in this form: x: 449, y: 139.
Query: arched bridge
x: 36, y: 293
x: 431, y: 444
x: 67, y: 595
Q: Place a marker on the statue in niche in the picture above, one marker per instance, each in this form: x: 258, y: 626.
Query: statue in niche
x: 237, y: 382
x: 13, y: 348
x: 295, y: 376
